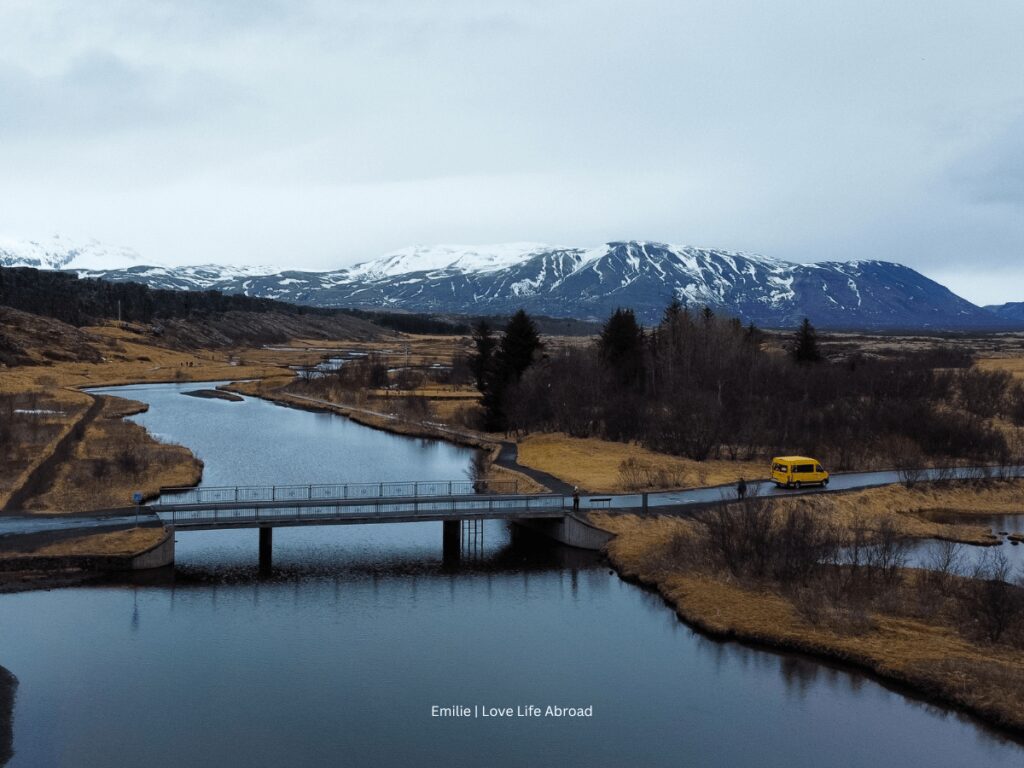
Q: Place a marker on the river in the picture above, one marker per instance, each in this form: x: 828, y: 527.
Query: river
x: 338, y: 658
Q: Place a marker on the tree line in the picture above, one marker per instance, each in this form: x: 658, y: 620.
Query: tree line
x: 704, y: 386
x: 82, y: 301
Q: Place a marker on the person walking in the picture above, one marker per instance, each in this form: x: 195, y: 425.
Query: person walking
x: 741, y: 489
x: 575, y: 498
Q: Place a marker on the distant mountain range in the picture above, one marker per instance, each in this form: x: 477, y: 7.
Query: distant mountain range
x: 584, y: 283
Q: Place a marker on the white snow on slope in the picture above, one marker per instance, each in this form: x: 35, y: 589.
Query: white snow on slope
x: 93, y: 258
x: 62, y: 253
x: 436, y: 258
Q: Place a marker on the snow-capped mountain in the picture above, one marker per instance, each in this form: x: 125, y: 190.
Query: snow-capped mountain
x: 94, y: 259
x: 461, y: 258
x: 61, y: 253
x: 590, y: 283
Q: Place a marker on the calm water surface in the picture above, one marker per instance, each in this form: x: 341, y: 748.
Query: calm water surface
x: 338, y: 658
x: 923, y: 552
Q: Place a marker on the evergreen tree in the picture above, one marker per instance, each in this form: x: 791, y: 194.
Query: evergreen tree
x: 518, y: 346
x: 673, y: 312
x: 622, y: 347
x: 482, y: 359
x: 514, y: 354
x: 805, y: 344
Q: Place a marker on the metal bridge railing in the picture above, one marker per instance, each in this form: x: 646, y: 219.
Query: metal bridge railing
x: 332, y: 492
x: 379, y: 508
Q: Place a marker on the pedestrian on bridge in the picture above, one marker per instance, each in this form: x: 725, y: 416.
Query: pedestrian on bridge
x: 575, y: 498
x: 741, y: 489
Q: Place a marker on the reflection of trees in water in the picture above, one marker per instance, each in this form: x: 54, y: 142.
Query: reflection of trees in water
x: 478, y: 467
x: 799, y: 673
x: 8, y: 685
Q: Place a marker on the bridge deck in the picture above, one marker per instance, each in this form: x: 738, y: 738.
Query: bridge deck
x: 225, y: 514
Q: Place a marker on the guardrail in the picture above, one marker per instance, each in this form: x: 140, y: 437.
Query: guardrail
x: 331, y: 492
x: 374, y: 509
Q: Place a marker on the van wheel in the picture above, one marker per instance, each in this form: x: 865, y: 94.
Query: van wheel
x: 797, y: 485
x: 824, y: 482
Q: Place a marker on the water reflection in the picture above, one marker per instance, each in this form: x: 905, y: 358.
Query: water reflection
x: 8, y: 686
x: 338, y: 656
x: 926, y: 553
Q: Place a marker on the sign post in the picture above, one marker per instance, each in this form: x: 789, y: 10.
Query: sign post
x: 137, y: 501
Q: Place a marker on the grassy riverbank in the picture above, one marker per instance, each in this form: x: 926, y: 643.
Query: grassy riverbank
x: 936, y: 632
x: 114, y: 459
x: 44, y: 413
x: 604, y: 466
x: 918, y: 512
x: 272, y: 389
x: 126, y: 543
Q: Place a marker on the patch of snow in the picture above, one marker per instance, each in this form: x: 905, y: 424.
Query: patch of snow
x: 445, y: 258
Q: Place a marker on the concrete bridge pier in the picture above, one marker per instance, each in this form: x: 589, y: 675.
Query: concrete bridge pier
x: 266, y: 550
x: 451, y: 542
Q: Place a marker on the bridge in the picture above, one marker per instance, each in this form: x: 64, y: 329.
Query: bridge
x: 453, y: 503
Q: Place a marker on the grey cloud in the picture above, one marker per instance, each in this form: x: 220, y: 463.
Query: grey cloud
x: 333, y: 130
x: 994, y: 173
x: 100, y: 93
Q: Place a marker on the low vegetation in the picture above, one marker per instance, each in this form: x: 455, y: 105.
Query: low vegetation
x: 923, y: 511
x: 127, y: 542
x: 795, y: 578
x: 33, y: 420
x: 706, y: 388
x: 605, y: 466
x: 114, y: 459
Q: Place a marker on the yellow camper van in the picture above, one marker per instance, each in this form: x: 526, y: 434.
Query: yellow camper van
x: 798, y: 471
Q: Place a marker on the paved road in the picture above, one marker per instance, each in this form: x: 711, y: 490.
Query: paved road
x: 667, y: 501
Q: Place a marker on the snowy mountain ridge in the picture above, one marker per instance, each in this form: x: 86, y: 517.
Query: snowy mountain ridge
x: 585, y: 283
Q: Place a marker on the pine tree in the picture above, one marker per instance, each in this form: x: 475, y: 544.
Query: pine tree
x: 518, y: 346
x: 482, y: 359
x: 805, y: 345
x: 673, y: 312
x: 514, y: 354
x: 621, y: 346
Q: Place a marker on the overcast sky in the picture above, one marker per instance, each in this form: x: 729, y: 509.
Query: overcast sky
x: 318, y: 133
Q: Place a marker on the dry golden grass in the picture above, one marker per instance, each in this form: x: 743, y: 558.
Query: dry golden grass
x: 932, y: 657
x: 414, y: 350
x: 119, y: 407
x: 918, y: 512
x: 451, y: 412
x: 128, y: 358
x: 1010, y: 364
x: 595, y: 464
x: 523, y: 483
x: 114, y: 459
x: 430, y: 392
x: 39, y: 444
x: 127, y: 542
x: 135, y: 360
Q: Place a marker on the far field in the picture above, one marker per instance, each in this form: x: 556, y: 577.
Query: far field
x: 426, y: 384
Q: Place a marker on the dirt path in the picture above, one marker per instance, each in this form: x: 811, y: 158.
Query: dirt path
x: 40, y: 479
